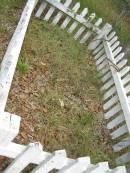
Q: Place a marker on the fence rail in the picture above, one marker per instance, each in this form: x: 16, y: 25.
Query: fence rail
x: 114, y: 73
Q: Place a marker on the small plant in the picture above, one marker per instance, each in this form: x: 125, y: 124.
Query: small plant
x: 86, y: 118
x: 22, y: 68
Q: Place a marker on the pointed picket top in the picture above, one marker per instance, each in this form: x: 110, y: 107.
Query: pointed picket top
x: 98, y: 22
x: 56, y: 160
x: 41, y: 9
x: 24, y: 158
x: 75, y: 23
x: 67, y: 3
x: 50, y: 12
x: 77, y: 166
x: 60, y: 13
x: 76, y: 7
x: 91, y: 17
x: 68, y: 19
x: 89, y: 33
x: 101, y: 167
x: 84, y: 12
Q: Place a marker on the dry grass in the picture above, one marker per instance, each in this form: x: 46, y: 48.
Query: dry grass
x: 56, y: 91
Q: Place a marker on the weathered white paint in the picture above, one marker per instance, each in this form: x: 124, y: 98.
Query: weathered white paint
x: 126, y: 79
x: 50, y: 12
x: 46, y: 161
x: 99, y: 47
x: 115, y: 122
x: 89, y: 33
x: 116, y: 44
x: 122, y: 63
x: 119, y: 57
x: 107, y: 85
x: 100, y: 55
x: 114, y: 39
x: 111, y: 35
x: 10, y: 59
x: 120, y: 169
x: 121, y: 145
x: 124, y: 71
x: 33, y: 154
x: 123, y: 159
x: 60, y: 14
x: 73, y: 15
x: 113, y: 111
x: 102, y: 65
x: 77, y: 166
x: 111, y: 102
x: 55, y: 161
x: 119, y: 85
x: 9, y: 127
x: 24, y: 158
x: 99, y: 38
x: 119, y: 132
x: 106, y: 77
x: 83, y: 28
x: 75, y: 23
x: 68, y: 19
x: 109, y: 93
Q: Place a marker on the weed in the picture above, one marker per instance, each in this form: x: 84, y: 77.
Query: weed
x: 22, y: 68
x: 86, y: 118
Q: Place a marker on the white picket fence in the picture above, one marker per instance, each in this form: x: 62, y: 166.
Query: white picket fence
x: 114, y: 75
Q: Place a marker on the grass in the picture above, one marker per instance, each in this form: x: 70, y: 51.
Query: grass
x: 110, y: 10
x: 67, y: 111
x: 58, y: 95
x: 22, y: 68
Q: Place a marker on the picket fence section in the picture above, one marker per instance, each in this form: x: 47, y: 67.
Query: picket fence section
x: 114, y: 75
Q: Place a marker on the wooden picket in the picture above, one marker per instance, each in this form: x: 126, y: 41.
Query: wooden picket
x: 85, y: 24
x: 114, y: 74
x: 46, y: 162
x: 115, y: 77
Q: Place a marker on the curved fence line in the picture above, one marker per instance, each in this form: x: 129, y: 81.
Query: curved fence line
x: 114, y: 74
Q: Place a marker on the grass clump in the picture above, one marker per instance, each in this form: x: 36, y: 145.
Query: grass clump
x: 22, y: 68
x: 86, y: 118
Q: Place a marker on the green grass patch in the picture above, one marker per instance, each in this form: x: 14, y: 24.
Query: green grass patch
x: 22, y: 68
x: 86, y: 118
